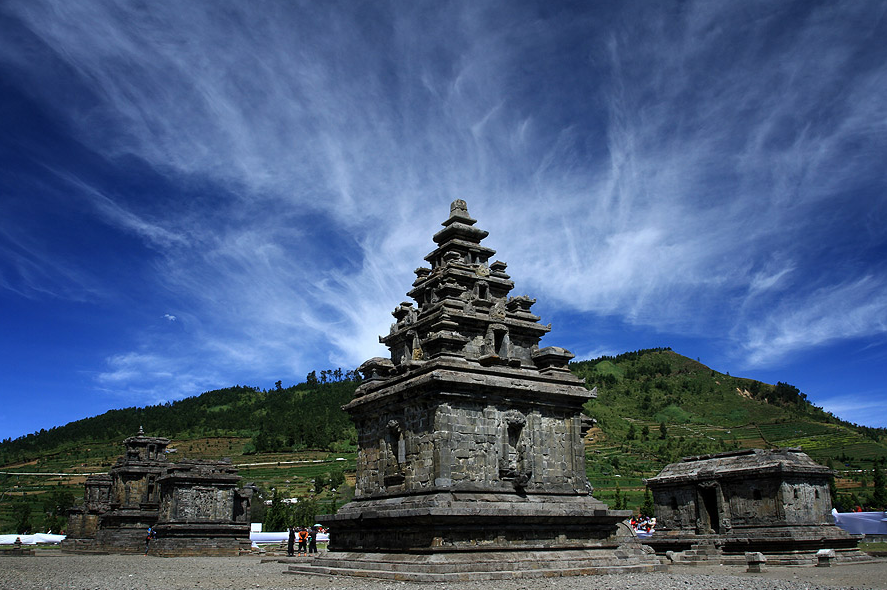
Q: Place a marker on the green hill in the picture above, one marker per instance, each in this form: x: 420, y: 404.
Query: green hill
x: 653, y: 407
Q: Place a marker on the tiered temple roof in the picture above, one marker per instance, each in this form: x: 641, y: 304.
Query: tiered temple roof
x: 461, y: 308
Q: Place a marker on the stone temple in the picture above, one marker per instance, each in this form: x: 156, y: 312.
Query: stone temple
x: 196, y: 507
x: 470, y: 462
x: 772, y: 501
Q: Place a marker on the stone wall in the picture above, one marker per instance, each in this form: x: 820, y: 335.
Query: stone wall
x: 747, y: 502
x: 82, y: 524
x: 806, y: 502
x: 462, y: 443
x: 196, y: 504
x: 676, y: 508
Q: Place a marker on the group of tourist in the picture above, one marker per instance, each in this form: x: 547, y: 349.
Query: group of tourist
x: 643, y: 524
x: 307, y: 538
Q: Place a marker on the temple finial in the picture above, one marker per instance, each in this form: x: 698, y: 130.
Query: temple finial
x: 459, y: 212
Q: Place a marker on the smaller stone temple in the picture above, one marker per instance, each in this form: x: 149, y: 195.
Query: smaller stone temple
x: 772, y: 501
x: 195, y: 507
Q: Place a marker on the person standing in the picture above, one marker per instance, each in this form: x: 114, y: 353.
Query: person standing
x: 312, y: 540
x: 291, y: 541
x: 152, y: 534
x: 303, y: 541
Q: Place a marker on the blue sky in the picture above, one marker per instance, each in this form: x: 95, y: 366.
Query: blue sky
x: 202, y: 194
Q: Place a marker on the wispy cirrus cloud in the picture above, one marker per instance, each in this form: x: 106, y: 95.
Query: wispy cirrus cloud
x: 672, y: 171
x: 850, y: 310
x: 32, y: 270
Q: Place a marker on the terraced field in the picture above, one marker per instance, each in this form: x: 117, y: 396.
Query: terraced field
x: 821, y: 441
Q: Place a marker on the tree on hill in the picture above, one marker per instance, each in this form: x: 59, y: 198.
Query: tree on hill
x: 21, y: 514
x: 618, y: 499
x: 336, y: 478
x: 305, y: 511
x: 879, y: 493
x: 277, y: 517
x: 648, y: 508
x: 55, y: 508
x: 632, y: 433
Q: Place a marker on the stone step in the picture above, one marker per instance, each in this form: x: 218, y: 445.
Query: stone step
x: 480, y: 566
x: 478, y: 560
x: 704, y: 550
x: 690, y: 553
x: 467, y: 576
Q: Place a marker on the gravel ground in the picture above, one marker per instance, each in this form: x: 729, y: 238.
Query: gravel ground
x: 56, y: 570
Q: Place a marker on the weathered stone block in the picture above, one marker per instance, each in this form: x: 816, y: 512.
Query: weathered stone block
x: 755, y: 561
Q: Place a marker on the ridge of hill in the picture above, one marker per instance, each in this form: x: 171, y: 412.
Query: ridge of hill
x: 653, y: 406
x: 307, y: 415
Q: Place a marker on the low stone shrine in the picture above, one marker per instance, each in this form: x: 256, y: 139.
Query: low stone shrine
x: 194, y: 506
x: 202, y: 510
x: 18, y: 549
x: 470, y: 461
x: 774, y: 502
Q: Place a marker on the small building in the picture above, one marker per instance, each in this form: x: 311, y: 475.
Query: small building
x: 194, y: 506
x: 772, y: 501
x: 202, y: 511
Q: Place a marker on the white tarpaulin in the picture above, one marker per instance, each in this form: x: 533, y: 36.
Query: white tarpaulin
x: 256, y: 537
x: 268, y: 537
x: 862, y: 523
x: 31, y: 539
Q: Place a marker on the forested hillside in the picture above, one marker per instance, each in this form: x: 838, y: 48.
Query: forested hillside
x: 653, y: 407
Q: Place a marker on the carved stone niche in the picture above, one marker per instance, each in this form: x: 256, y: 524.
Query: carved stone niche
x: 497, y: 345
x: 395, y: 449
x: 513, y: 464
